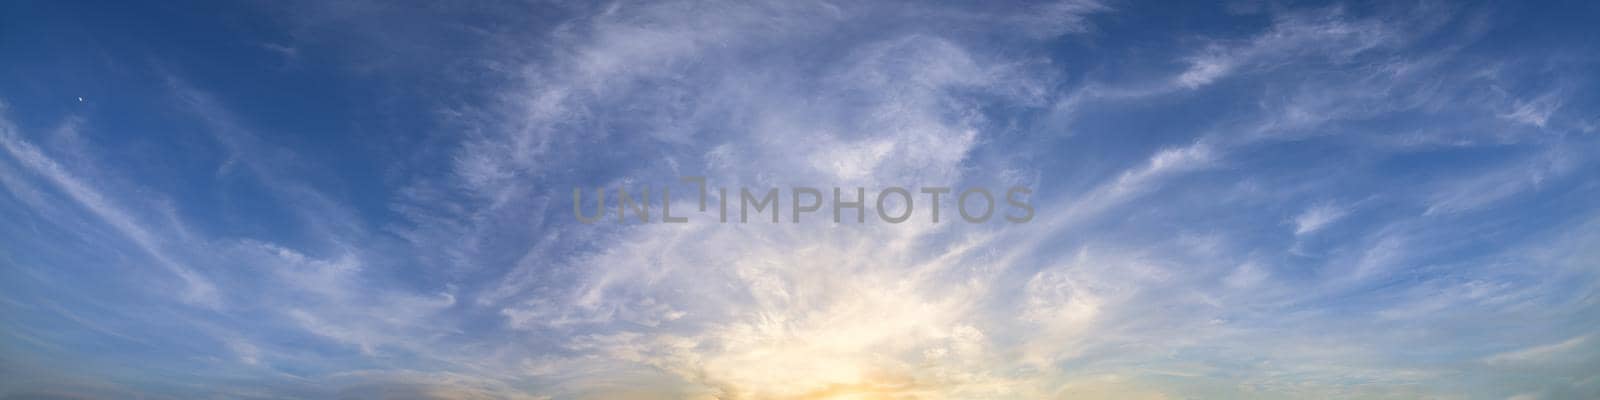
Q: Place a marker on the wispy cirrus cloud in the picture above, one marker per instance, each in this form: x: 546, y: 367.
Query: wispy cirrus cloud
x: 1287, y: 203
x: 197, y: 290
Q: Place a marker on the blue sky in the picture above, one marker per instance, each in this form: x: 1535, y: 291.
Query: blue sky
x: 1250, y: 199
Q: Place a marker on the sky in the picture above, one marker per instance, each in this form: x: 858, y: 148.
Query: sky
x: 373, y: 200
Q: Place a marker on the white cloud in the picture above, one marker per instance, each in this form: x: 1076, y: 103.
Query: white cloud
x: 198, y: 290
x: 1539, y: 354
x: 1112, y: 293
x: 1324, y: 35
x: 1498, y: 184
x: 1315, y: 218
x: 790, y: 311
x: 1536, y: 111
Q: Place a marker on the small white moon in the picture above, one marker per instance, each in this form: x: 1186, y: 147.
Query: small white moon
x: 80, y: 99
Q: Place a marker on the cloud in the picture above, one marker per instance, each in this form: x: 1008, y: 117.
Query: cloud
x: 1158, y: 267
x: 1325, y: 35
x: 787, y: 312
x: 1508, y: 180
x: 1539, y: 353
x: 198, y: 290
x: 1315, y: 218
x: 1536, y: 111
